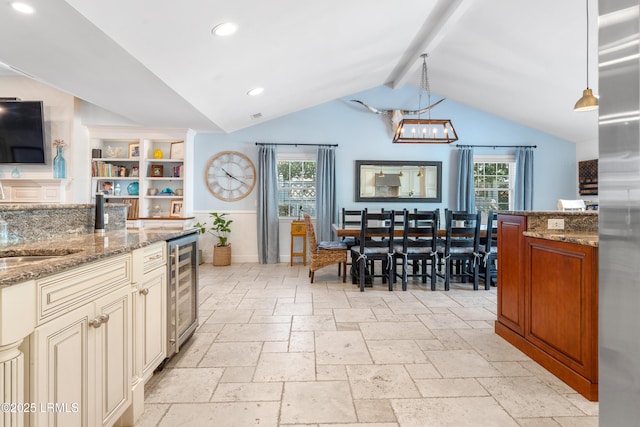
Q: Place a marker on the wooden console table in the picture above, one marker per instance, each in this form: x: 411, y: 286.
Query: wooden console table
x: 299, y: 229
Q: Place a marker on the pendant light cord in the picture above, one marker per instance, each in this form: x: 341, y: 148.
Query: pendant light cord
x: 587, y: 1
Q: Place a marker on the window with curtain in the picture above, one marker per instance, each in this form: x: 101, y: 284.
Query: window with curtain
x: 494, y: 178
x: 296, y: 184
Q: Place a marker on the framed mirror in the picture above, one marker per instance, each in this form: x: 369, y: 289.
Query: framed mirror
x: 398, y: 181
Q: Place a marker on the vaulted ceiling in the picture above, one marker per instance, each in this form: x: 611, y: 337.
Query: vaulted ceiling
x: 156, y: 62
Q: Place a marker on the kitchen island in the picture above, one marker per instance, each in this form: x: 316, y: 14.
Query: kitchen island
x: 548, y: 292
x: 82, y: 315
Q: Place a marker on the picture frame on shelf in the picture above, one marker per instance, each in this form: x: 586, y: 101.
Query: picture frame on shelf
x: 135, y: 171
x: 157, y: 171
x: 177, y: 150
x: 134, y: 150
x: 176, y: 208
x: 107, y: 188
x: 123, y: 172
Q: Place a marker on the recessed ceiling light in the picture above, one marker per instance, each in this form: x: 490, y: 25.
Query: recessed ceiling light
x: 225, y: 29
x: 255, y: 91
x: 22, y: 7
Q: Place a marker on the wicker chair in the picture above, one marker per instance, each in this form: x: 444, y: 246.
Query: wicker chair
x: 324, y: 253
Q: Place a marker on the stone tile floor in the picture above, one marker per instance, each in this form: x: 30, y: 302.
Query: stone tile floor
x: 274, y: 350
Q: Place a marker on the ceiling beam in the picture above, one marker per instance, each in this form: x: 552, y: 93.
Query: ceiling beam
x: 442, y: 19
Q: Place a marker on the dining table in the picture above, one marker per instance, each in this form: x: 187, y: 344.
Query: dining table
x: 354, y: 231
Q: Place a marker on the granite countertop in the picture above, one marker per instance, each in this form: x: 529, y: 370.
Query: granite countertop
x: 75, y: 251
x: 588, y: 239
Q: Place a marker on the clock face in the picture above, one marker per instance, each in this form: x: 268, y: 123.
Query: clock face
x: 230, y: 175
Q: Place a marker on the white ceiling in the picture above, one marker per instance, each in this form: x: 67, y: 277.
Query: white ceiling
x: 156, y: 62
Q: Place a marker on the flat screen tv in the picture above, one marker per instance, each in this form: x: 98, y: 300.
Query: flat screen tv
x: 22, y: 132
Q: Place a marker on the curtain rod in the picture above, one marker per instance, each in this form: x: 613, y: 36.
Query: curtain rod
x: 297, y: 145
x: 499, y: 146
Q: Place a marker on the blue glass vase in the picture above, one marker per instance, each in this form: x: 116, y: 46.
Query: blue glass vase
x: 59, y: 164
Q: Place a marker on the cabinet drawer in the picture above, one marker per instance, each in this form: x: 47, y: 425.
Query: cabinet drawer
x: 154, y: 256
x: 62, y: 292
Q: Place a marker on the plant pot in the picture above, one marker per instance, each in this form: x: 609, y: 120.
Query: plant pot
x: 222, y: 255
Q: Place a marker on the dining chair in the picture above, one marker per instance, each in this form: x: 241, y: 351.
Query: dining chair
x: 419, y: 246
x: 489, y: 252
x: 376, y: 244
x: 324, y: 253
x: 350, y: 218
x: 461, y: 247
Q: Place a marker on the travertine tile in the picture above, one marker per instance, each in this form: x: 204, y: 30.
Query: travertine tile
x: 254, y: 332
x: 313, y: 323
x: 192, y: 351
x: 275, y: 350
x: 395, y: 331
x: 395, y: 351
x: 451, y: 412
x: 286, y: 367
x: 317, y: 402
x: 341, y: 348
x: 450, y: 387
x: 234, y: 414
x: 528, y: 397
x: 461, y: 364
x: 222, y: 354
x: 354, y: 315
x: 185, y: 385
x: 247, y: 392
x: 381, y: 382
x: 374, y: 411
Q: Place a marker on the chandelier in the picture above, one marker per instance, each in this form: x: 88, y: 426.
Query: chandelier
x: 425, y: 130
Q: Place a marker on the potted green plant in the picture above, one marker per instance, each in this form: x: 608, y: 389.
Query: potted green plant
x: 221, y: 229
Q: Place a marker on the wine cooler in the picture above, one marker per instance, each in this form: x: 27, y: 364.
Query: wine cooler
x: 182, y: 291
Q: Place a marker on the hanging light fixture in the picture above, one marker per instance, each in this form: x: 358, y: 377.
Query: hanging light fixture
x: 588, y: 102
x: 425, y: 131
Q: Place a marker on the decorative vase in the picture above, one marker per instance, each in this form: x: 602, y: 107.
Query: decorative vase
x: 59, y: 164
x: 157, y: 154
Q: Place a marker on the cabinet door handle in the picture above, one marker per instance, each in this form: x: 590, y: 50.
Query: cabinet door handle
x: 95, y: 323
x: 104, y: 318
x: 144, y: 291
x: 156, y: 256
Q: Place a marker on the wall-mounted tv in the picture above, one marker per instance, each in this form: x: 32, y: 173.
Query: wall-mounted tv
x: 22, y: 132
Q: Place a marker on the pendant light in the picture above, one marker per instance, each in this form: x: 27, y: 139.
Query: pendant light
x: 425, y: 131
x: 588, y: 102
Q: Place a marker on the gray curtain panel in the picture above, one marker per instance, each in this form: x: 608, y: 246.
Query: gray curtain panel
x: 466, y: 188
x: 268, y: 223
x: 524, y: 179
x: 326, y: 207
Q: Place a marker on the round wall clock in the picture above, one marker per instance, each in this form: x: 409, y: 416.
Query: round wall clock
x: 230, y: 176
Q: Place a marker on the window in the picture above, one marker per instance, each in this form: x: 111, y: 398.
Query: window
x: 493, y: 180
x: 296, y: 185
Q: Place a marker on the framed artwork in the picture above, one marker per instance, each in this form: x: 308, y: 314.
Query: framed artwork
x: 177, y: 150
x: 122, y: 171
x: 157, y: 171
x: 134, y: 150
x: 107, y: 187
x: 134, y: 171
x: 176, y: 208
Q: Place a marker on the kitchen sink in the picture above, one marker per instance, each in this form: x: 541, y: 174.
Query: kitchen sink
x: 9, y: 259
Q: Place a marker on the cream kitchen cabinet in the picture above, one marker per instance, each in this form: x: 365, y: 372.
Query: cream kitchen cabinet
x: 149, y: 293
x: 82, y: 348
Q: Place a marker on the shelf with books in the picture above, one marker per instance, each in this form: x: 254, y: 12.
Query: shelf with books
x: 124, y: 155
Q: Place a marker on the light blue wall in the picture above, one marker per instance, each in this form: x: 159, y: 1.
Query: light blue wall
x: 362, y: 135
